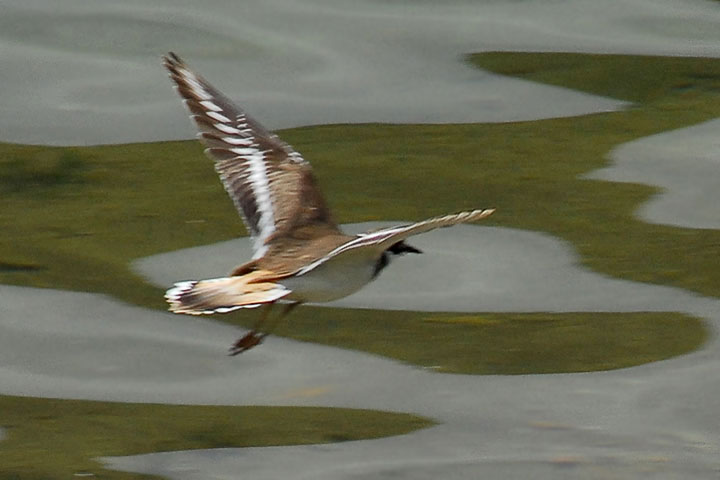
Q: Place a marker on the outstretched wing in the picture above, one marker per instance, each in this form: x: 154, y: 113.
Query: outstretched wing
x: 387, y: 237
x: 271, y: 185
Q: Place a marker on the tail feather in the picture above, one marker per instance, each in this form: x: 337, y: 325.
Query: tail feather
x: 222, y: 295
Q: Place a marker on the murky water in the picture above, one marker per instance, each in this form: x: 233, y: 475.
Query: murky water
x: 684, y: 163
x: 85, y: 73
x: 75, y: 73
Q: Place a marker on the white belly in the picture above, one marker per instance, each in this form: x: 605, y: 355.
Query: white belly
x: 336, y: 278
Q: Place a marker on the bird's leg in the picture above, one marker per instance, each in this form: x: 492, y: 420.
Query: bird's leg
x: 252, y: 338
x: 288, y: 308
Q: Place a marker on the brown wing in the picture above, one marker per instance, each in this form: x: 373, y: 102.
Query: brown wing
x: 385, y: 238
x: 271, y: 185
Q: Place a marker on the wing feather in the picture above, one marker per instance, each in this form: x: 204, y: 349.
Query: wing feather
x: 384, y: 238
x: 271, y: 185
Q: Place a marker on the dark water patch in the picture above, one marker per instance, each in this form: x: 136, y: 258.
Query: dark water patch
x: 13, y: 267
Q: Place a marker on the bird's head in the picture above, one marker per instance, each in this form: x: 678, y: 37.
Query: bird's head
x: 399, y: 248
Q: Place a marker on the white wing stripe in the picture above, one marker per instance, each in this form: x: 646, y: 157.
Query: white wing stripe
x: 246, y: 152
x: 225, y: 129
x: 381, y: 233
x: 261, y: 189
x: 211, y: 106
x: 245, y: 142
x: 217, y: 116
x: 195, y: 85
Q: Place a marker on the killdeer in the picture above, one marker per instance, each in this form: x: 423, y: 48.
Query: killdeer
x: 299, y: 253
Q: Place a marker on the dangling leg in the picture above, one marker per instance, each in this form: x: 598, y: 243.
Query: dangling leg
x: 288, y: 308
x: 252, y: 338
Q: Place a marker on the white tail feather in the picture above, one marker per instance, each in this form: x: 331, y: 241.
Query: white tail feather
x: 222, y: 295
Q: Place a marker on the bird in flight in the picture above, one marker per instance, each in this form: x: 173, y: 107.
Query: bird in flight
x: 299, y: 253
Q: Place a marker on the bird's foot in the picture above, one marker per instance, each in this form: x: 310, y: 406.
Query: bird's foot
x: 247, y: 342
